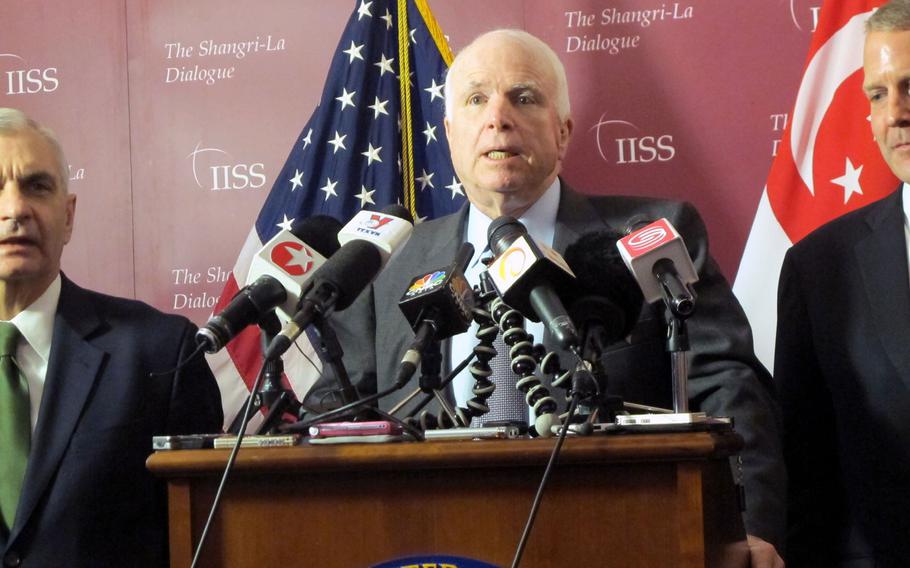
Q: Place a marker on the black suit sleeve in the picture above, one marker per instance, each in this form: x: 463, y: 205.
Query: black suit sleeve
x: 814, y: 504
x: 195, y: 401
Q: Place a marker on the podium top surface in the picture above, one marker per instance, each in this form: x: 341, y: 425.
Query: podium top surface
x: 626, y: 448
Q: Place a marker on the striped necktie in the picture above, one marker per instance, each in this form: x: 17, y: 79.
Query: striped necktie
x: 15, y: 425
x: 507, y: 403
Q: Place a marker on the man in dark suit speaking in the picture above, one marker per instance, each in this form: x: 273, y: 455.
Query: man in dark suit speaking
x: 78, y: 401
x: 842, y: 360
x: 508, y: 126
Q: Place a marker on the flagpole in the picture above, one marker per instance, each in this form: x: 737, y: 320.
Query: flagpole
x: 404, y: 85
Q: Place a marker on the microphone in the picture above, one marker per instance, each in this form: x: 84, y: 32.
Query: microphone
x: 437, y: 305
x: 277, y: 273
x: 368, y: 240
x: 531, y: 278
x: 291, y: 257
x: 609, y: 299
x: 657, y: 257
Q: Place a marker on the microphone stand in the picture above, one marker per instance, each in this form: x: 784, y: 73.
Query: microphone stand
x: 331, y: 353
x: 678, y: 348
x: 271, y: 394
x: 431, y: 380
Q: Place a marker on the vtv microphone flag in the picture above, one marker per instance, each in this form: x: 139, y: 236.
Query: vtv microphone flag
x: 827, y: 163
x: 346, y: 158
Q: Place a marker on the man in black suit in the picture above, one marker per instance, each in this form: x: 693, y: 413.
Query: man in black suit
x: 84, y: 397
x: 842, y: 360
x: 508, y: 126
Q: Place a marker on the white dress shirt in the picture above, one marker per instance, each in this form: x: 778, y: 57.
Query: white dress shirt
x: 36, y: 324
x: 540, y: 220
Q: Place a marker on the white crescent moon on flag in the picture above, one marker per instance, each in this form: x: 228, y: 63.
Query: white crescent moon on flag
x: 832, y: 64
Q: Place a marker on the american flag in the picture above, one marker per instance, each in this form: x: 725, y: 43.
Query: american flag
x: 827, y: 163
x: 369, y: 143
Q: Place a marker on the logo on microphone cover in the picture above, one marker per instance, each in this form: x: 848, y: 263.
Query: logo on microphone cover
x: 292, y: 257
x: 426, y: 283
x: 376, y: 222
x: 512, y: 264
x: 648, y: 238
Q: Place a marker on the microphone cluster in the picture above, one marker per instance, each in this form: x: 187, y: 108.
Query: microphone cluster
x: 307, y: 273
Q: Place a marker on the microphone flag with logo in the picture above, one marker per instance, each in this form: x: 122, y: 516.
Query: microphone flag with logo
x: 364, y: 147
x: 827, y: 163
x: 658, y: 259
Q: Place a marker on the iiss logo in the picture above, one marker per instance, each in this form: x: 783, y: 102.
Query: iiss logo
x: 215, y: 170
x: 804, y: 14
x: 22, y: 79
x: 292, y: 257
x: 622, y: 142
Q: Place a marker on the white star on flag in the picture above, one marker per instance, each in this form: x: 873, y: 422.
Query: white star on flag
x: 365, y: 196
x: 425, y: 179
x: 435, y: 90
x: 307, y: 140
x: 297, y: 180
x: 430, y: 133
x: 850, y: 180
x: 286, y: 223
x: 379, y: 108
x: 455, y: 187
x: 385, y: 65
x: 338, y: 142
x: 354, y: 52
x: 346, y: 98
x: 388, y: 19
x: 372, y: 154
x: 364, y: 10
x: 329, y: 188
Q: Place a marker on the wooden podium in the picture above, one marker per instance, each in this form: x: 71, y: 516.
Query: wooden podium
x: 630, y: 500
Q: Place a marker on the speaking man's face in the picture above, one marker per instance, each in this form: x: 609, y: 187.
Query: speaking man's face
x: 505, y: 135
x: 886, y: 66
x: 36, y: 212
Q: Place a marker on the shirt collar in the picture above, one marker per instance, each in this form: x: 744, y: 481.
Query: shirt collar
x: 539, y: 219
x: 905, y: 199
x: 36, y: 322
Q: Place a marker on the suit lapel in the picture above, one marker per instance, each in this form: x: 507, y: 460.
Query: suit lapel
x: 882, y: 259
x: 574, y: 217
x: 73, y: 368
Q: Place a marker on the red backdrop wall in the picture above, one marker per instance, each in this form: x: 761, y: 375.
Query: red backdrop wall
x: 176, y: 115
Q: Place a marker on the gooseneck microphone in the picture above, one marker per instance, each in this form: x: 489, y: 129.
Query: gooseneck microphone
x: 248, y: 306
x: 368, y: 241
x: 277, y: 273
x: 532, y: 278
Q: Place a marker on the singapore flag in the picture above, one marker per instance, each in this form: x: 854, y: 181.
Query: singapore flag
x: 827, y: 162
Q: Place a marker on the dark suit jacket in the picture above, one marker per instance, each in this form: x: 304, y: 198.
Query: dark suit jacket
x: 88, y: 499
x: 842, y: 365
x: 726, y: 378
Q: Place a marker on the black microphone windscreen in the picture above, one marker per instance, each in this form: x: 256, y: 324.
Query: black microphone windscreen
x: 502, y: 232
x: 400, y: 211
x: 319, y: 232
x: 600, y: 271
x: 350, y: 270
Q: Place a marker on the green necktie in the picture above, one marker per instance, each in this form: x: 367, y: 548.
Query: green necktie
x: 15, y: 425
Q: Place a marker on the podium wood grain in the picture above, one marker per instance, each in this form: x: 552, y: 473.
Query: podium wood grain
x: 638, y: 500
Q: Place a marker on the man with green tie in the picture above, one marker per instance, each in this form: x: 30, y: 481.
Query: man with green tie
x: 84, y: 384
